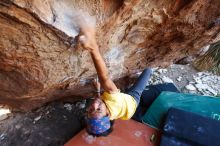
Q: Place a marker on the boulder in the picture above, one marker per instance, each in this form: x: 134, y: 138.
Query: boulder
x: 40, y: 62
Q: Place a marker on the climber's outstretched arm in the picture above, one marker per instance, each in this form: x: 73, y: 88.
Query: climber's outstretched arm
x: 89, y: 42
x: 102, y: 72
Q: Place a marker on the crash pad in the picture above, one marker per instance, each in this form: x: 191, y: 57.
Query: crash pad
x: 125, y: 133
x: 168, y: 140
x: 192, y: 127
x: 203, y: 105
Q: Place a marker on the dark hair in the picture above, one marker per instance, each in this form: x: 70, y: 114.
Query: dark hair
x: 106, y: 133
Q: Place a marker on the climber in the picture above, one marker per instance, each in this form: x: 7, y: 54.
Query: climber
x: 112, y: 104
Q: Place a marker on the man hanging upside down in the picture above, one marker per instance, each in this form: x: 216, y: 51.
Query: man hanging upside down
x: 113, y: 104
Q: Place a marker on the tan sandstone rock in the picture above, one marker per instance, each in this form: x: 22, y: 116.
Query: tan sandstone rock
x: 40, y: 63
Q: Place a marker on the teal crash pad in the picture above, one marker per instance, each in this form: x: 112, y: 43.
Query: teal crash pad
x: 203, y: 105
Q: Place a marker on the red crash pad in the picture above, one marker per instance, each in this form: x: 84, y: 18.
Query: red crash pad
x: 125, y: 133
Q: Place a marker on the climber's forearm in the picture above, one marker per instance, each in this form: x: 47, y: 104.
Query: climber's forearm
x: 99, y: 65
x: 89, y: 43
x: 102, y: 71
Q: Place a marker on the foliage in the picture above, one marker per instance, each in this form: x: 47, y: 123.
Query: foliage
x: 210, y: 60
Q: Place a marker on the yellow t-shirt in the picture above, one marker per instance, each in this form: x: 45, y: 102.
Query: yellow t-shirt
x: 120, y: 105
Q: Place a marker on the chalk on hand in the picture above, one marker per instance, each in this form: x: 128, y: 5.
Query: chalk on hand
x: 82, y: 39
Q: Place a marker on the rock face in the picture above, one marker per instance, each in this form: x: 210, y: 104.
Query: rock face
x: 39, y: 61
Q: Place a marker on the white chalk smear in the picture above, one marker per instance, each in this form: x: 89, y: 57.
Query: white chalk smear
x: 138, y: 133
x: 115, y: 61
x: 89, y: 139
x: 69, y: 20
